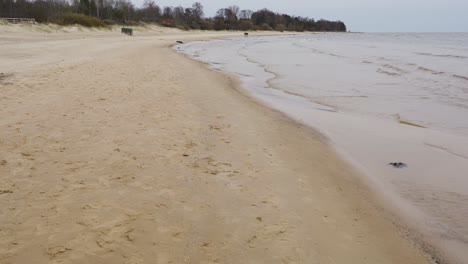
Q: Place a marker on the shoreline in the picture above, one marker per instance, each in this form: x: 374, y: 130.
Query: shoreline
x: 154, y: 156
x: 405, y: 215
x: 406, y: 230
x: 385, y: 204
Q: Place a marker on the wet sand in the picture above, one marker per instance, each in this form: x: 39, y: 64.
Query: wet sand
x: 119, y: 150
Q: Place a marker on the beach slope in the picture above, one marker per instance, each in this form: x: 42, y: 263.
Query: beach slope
x: 128, y: 152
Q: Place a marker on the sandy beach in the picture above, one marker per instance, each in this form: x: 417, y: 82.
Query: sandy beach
x: 116, y: 149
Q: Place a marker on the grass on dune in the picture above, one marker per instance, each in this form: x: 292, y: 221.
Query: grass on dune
x: 76, y: 19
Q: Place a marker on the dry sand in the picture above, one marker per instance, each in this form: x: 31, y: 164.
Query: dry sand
x: 115, y: 149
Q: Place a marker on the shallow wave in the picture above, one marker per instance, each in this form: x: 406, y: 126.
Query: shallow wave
x: 380, y: 70
x: 395, y: 68
x: 460, y: 77
x: 315, y: 50
x: 441, y: 55
x: 430, y: 70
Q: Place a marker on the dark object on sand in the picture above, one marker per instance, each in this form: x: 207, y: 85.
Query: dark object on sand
x: 127, y: 31
x: 180, y: 42
x: 246, y: 34
x: 398, y: 164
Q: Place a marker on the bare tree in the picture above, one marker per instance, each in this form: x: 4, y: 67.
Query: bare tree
x: 151, y: 11
x: 233, y: 12
x: 168, y: 13
x: 179, y: 12
x: 245, y: 14
x: 197, y: 10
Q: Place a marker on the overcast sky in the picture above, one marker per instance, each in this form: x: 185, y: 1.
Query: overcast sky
x: 359, y: 15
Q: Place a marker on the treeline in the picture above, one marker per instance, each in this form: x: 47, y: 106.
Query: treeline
x: 124, y: 12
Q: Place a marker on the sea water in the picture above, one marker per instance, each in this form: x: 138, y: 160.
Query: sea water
x: 379, y: 99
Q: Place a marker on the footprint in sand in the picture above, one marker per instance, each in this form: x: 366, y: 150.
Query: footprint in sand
x: 54, y: 252
x: 215, y: 127
x: 116, y: 233
x: 188, y: 147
